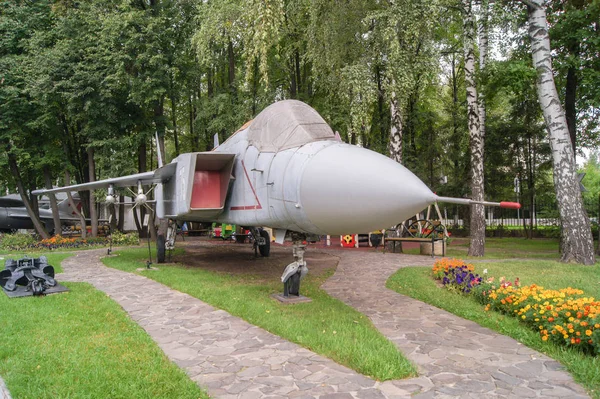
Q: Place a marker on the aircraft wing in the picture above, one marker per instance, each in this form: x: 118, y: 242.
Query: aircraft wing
x: 160, y: 175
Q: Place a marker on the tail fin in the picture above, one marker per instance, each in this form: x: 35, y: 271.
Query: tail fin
x: 65, y: 208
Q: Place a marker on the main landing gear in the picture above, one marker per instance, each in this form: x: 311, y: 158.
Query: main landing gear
x: 262, y: 242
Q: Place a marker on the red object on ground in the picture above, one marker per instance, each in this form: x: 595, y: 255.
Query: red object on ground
x: 510, y: 205
x: 349, y: 240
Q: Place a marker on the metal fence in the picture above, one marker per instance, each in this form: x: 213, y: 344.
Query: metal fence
x: 542, y: 213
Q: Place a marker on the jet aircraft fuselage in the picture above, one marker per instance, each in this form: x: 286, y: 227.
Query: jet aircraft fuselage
x: 14, y: 216
x: 287, y: 170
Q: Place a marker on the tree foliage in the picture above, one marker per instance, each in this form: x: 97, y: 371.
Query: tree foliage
x: 103, y: 76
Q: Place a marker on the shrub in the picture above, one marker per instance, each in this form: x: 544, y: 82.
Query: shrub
x: 119, y: 238
x: 17, y: 241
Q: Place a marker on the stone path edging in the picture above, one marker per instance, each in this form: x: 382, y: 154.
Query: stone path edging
x: 233, y: 359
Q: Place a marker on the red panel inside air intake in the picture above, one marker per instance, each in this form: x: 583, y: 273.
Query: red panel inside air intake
x: 206, y: 192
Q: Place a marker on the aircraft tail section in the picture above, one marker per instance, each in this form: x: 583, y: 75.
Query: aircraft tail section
x: 65, y: 208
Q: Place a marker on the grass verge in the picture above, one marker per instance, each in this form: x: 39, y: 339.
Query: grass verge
x: 81, y: 344
x: 417, y: 283
x: 326, y: 326
x: 503, y: 248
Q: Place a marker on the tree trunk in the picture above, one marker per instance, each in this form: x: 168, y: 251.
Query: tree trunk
x: 231, y: 64
x: 293, y: 86
x: 74, y: 207
x: 174, y: 121
x: 16, y: 173
x: 33, y: 198
x: 570, y: 108
x: 297, y: 67
x: 598, y: 249
x: 192, y: 117
x: 455, y: 125
x: 477, y: 220
x: 142, y: 167
x: 395, y: 143
x: 483, y: 54
x: 163, y: 223
x: 53, y: 204
x: 577, y: 243
x: 92, y: 178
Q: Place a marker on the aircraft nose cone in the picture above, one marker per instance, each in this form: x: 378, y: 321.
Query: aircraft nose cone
x: 347, y: 189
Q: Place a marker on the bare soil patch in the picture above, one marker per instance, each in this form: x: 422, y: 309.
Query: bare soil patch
x: 238, y: 259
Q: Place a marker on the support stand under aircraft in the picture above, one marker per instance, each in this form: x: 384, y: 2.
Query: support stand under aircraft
x: 288, y: 170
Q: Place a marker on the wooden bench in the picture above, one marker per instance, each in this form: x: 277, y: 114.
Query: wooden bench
x: 432, y: 240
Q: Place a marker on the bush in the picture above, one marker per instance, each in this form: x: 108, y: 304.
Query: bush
x: 16, y: 241
x: 119, y: 238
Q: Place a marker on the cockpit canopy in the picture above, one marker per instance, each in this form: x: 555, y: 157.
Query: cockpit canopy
x: 287, y: 124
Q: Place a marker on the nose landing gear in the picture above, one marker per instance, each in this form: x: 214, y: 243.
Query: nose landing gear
x: 293, y: 274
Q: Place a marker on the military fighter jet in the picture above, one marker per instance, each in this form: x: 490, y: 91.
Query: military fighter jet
x: 287, y: 170
x: 14, y: 216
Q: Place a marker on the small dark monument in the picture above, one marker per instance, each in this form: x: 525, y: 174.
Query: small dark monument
x: 29, y: 276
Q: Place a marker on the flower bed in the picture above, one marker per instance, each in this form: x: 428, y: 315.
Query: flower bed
x: 20, y: 241
x: 566, y: 316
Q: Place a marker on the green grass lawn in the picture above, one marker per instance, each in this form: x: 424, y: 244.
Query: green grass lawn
x: 81, y: 344
x: 326, y: 326
x: 417, y: 282
x: 503, y: 248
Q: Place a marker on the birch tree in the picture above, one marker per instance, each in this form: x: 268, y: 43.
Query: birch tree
x: 395, y: 144
x: 483, y: 33
x: 403, y: 32
x: 477, y: 226
x: 576, y: 235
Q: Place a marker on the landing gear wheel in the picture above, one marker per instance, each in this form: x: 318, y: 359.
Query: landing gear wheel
x: 160, y: 249
x: 265, y: 250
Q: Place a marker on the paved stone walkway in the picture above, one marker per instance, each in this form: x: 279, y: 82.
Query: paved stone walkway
x: 233, y: 359
x: 456, y: 357
x: 4, y: 394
